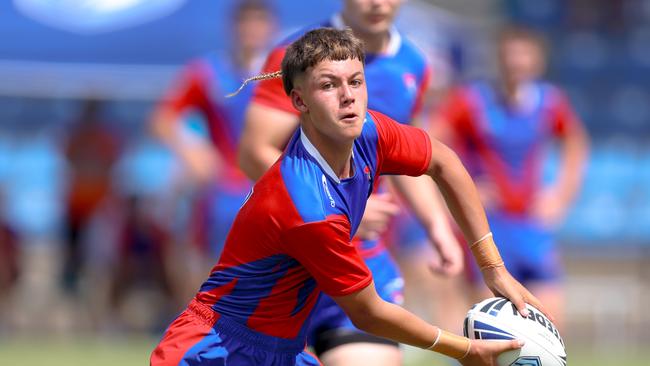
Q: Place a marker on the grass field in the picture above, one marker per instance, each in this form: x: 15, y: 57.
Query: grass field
x: 135, y: 351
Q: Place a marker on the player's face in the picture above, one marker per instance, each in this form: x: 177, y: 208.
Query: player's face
x: 254, y: 29
x: 370, y: 16
x: 520, y: 60
x: 334, y: 98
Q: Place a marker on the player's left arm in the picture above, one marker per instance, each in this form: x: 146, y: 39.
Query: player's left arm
x: 552, y: 205
x: 408, y: 150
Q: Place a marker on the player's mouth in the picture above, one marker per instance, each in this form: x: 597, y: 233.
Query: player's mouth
x: 349, y: 117
x: 376, y: 18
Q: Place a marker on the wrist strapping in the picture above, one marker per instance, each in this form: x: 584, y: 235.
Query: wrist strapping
x: 451, y: 345
x: 486, y: 252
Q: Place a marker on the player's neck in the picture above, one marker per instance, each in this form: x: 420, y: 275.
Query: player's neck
x: 245, y: 58
x: 376, y: 44
x: 511, y: 90
x: 337, y: 154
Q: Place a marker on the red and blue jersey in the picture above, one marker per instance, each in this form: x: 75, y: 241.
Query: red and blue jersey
x: 504, y: 142
x: 202, y: 87
x: 396, y: 80
x: 292, y: 237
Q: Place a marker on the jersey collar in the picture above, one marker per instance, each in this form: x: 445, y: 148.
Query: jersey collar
x: 394, y: 43
x: 311, y: 150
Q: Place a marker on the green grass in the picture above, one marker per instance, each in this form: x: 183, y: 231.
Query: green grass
x: 135, y: 351
x: 93, y: 351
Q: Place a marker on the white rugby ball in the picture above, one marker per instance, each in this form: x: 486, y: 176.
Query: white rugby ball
x: 497, y: 318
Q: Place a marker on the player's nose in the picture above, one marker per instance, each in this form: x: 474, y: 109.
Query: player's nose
x: 346, y: 94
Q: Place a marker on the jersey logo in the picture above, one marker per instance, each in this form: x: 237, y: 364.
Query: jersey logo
x: 527, y: 361
x: 366, y: 171
x: 327, y: 191
x: 410, y: 82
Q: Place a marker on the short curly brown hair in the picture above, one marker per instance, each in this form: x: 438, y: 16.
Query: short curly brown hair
x: 315, y: 46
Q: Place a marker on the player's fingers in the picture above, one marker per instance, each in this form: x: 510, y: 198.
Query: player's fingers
x: 388, y: 208
x: 455, y: 267
x: 520, y: 304
x: 384, y: 196
x: 510, y: 345
x: 435, y: 266
x: 531, y: 299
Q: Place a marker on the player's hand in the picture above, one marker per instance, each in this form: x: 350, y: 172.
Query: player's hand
x: 501, y: 283
x: 379, y: 211
x: 549, y: 207
x: 449, y: 259
x: 485, y: 353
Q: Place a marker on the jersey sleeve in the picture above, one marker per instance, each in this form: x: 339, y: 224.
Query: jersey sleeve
x: 562, y: 115
x: 324, y: 249
x: 402, y: 149
x: 189, y: 91
x: 270, y: 92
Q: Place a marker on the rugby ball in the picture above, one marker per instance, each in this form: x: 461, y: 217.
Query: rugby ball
x: 497, y: 318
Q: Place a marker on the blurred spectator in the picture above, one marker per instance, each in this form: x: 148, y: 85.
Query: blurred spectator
x: 9, y: 259
x: 91, y: 150
x: 501, y: 129
x: 142, y: 261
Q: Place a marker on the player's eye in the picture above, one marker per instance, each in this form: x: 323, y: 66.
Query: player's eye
x: 356, y: 82
x: 327, y: 86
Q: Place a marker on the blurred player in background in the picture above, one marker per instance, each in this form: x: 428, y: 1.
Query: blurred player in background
x: 291, y: 239
x: 501, y: 129
x: 397, y: 77
x: 201, y: 89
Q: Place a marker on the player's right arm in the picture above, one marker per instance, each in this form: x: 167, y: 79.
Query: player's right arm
x: 341, y: 273
x: 373, y: 315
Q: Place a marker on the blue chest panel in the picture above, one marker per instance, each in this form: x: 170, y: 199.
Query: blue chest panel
x: 513, y: 132
x: 316, y: 195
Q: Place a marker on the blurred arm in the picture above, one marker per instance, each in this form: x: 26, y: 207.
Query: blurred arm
x: 575, y: 149
x: 421, y: 196
x: 201, y: 158
x: 266, y: 132
x: 552, y: 204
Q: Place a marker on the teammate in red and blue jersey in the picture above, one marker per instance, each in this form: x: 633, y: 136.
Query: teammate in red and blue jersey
x: 397, y: 76
x: 501, y: 130
x: 201, y: 89
x: 291, y: 239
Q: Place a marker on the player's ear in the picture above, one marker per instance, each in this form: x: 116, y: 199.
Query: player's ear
x: 297, y: 101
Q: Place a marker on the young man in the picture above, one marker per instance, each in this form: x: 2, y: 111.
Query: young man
x: 397, y: 76
x: 201, y: 89
x: 500, y: 129
x: 291, y: 239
